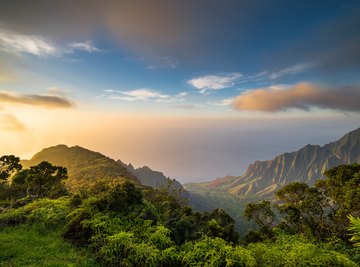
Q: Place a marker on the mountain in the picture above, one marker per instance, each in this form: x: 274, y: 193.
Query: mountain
x: 84, y: 166
x: 152, y: 178
x: 308, y: 164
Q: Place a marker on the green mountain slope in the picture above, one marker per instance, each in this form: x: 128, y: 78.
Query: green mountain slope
x: 84, y: 166
x: 308, y: 164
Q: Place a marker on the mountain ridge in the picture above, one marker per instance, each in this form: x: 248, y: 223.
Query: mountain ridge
x: 152, y: 178
x: 86, y: 166
x: 307, y: 164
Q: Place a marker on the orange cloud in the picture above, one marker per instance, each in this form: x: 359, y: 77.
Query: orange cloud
x: 48, y: 101
x: 301, y: 96
x: 10, y: 123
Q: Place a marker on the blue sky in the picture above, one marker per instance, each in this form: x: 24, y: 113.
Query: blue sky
x: 231, y: 60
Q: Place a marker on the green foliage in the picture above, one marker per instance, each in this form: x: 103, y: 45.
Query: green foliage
x: 296, y: 251
x: 355, y: 230
x: 44, y: 212
x: 342, y: 187
x: 43, y: 180
x: 9, y: 165
x: 206, y: 200
x: 84, y: 167
x: 122, y: 224
x: 215, y: 252
x: 262, y: 214
x: 305, y: 209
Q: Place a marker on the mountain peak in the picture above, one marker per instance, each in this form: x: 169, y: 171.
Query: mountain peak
x: 308, y: 164
x: 84, y: 166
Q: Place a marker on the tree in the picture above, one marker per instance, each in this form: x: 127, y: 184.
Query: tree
x: 9, y: 164
x: 43, y: 180
x: 305, y: 209
x: 262, y: 214
x: 342, y: 189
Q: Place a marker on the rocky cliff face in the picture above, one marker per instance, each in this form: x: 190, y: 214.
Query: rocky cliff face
x: 305, y: 165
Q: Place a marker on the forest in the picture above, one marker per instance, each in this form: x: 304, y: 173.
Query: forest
x: 121, y: 223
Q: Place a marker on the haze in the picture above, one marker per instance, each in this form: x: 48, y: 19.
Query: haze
x: 196, y: 89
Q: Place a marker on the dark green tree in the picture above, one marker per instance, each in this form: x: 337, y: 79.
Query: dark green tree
x: 262, y: 214
x: 305, y: 209
x: 342, y: 189
x: 43, y: 180
x: 9, y: 165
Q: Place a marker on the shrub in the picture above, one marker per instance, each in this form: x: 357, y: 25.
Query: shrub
x: 296, y: 251
x: 215, y: 252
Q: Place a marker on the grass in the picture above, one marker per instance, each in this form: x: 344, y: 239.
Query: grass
x: 28, y: 246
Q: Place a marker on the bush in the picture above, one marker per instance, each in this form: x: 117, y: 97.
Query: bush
x: 44, y: 212
x: 215, y: 252
x: 295, y: 251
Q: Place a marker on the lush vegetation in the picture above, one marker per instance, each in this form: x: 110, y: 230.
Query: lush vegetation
x: 118, y: 223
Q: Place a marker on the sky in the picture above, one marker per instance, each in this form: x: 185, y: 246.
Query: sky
x: 196, y: 89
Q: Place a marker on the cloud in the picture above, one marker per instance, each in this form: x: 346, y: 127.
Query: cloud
x: 142, y: 94
x: 214, y: 82
x: 301, y: 96
x: 194, y: 30
x: 273, y: 75
x: 85, y: 46
x: 57, y: 91
x: 182, y: 94
x: 17, y: 44
x: 10, y: 123
x: 295, y: 69
x: 222, y: 102
x: 145, y: 94
x: 48, y: 101
x: 334, y: 45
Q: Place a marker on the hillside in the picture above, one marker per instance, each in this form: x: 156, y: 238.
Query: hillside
x: 308, y: 164
x: 84, y: 166
x: 152, y: 178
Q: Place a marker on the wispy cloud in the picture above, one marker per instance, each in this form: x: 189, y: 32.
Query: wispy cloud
x: 222, y: 102
x: 280, y: 73
x: 214, y: 82
x: 17, y: 44
x: 144, y: 94
x: 40, y: 46
x: 298, y: 68
x: 48, y: 101
x: 301, y: 96
x: 182, y: 94
x: 85, y: 46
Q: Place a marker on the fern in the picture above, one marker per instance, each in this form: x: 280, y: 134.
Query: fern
x: 355, y: 229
